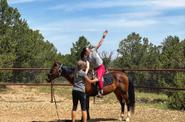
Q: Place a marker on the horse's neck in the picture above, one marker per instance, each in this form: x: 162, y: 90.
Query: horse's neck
x: 69, y: 78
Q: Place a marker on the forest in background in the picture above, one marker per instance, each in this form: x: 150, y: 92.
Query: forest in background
x: 21, y: 46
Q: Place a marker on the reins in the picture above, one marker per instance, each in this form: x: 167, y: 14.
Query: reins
x: 56, y: 107
x: 52, y: 91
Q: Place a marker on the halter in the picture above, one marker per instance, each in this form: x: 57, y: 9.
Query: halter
x: 60, y: 70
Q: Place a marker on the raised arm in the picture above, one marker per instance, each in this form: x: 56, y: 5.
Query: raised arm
x: 87, y: 68
x: 102, y: 39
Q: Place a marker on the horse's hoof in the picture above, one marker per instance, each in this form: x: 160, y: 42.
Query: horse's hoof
x: 127, y: 119
x: 121, y: 119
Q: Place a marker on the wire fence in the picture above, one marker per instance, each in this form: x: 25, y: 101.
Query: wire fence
x: 37, y: 76
x: 151, y: 78
x: 67, y: 84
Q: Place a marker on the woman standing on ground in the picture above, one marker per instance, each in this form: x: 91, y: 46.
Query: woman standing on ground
x: 78, y: 93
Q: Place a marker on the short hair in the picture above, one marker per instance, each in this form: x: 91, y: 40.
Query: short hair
x: 81, y: 64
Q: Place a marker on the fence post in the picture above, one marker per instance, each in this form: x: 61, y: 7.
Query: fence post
x: 51, y: 91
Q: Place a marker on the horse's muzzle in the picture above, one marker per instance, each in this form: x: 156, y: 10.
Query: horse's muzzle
x: 49, y: 78
x: 48, y: 81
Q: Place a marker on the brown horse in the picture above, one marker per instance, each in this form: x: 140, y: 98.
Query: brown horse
x: 123, y: 89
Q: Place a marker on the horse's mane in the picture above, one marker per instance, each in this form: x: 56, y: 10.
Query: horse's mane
x: 68, y: 69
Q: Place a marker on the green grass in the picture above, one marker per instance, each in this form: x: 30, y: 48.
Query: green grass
x: 156, y: 100
x: 142, y: 98
x: 151, y: 97
x: 59, y: 90
x: 153, y: 100
x: 3, y: 90
x: 43, y: 89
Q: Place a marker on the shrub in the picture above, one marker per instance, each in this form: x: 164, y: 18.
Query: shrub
x: 177, y: 100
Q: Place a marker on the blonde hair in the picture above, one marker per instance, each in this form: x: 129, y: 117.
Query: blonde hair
x: 81, y: 65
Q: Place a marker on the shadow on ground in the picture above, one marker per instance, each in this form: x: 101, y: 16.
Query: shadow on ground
x: 92, y: 120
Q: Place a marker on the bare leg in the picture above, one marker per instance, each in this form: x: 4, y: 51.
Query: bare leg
x: 73, y: 115
x: 84, y: 116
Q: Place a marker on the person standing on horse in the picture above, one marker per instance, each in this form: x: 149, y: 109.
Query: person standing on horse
x: 78, y: 93
x: 92, y: 56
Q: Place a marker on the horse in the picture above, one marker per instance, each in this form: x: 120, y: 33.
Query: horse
x: 122, y: 88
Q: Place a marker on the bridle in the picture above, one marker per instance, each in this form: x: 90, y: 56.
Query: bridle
x: 60, y: 70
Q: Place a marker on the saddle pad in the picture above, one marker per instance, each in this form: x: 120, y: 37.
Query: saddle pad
x: 107, y: 79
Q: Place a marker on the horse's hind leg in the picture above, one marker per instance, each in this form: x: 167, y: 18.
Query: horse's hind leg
x: 125, y: 96
x: 124, y: 99
x: 121, y: 101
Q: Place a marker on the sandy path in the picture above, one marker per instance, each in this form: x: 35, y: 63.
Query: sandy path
x: 22, y: 106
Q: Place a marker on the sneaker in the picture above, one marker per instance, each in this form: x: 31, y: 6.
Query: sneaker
x: 100, y: 94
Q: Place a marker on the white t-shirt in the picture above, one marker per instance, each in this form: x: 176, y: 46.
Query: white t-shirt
x: 94, y: 58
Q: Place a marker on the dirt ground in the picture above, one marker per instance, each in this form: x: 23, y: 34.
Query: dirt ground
x: 21, y: 105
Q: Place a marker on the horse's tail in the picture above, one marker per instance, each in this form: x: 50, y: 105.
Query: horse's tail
x: 131, y: 96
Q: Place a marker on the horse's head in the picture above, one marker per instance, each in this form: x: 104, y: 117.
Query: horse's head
x: 55, y: 71
x: 58, y: 70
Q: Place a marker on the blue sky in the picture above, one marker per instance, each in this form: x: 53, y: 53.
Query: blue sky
x: 62, y: 22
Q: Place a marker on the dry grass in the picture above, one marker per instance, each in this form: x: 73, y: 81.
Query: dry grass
x: 24, y: 104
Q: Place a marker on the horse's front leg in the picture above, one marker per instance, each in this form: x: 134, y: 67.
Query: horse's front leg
x: 122, y: 110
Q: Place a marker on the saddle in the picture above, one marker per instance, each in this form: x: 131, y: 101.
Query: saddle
x: 107, y: 80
